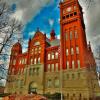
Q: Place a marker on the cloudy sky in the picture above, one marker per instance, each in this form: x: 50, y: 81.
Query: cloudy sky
x: 45, y: 15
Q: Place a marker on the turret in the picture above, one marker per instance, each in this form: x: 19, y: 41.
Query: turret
x: 52, y: 35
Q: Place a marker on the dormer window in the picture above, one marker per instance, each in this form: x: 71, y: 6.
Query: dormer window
x: 36, y: 43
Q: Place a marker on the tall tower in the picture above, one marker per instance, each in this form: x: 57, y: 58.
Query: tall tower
x: 78, y: 62
x: 73, y: 38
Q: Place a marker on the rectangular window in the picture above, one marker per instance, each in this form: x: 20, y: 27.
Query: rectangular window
x: 56, y: 55
x: 53, y: 68
x: 67, y: 53
x: 78, y: 62
x: 71, y: 35
x: 77, y: 50
x: 35, y: 61
x: 67, y: 64
x: 73, y: 64
x: 66, y: 35
x: 56, y: 66
x: 72, y: 51
x: 76, y: 34
x: 48, y: 56
x: 35, y: 50
x: 53, y: 55
x: 49, y: 67
x: 49, y: 83
x: 39, y: 60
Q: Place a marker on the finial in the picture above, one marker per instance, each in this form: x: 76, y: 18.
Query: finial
x: 38, y: 29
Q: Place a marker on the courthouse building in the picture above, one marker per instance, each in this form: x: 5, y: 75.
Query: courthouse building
x: 52, y: 65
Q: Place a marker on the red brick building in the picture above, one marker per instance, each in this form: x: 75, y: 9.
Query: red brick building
x: 38, y: 69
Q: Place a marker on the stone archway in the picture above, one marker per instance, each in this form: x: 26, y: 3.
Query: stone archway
x: 33, y: 87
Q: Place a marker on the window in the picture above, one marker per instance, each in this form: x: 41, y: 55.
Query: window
x: 32, y: 51
x: 63, y: 17
x: 71, y: 36
x: 67, y: 52
x: 78, y: 75
x: 72, y: 51
x: 53, y: 56
x: 35, y: 61
x: 78, y: 62
x: 73, y: 76
x: 73, y: 64
x: 71, y: 15
x: 14, y: 62
x: 36, y: 43
x: 67, y: 16
x: 39, y: 49
x: 35, y: 50
x: 48, y: 56
x: 66, y: 36
x: 67, y: 64
x: 77, y: 50
x: 49, y: 83
x: 56, y: 55
x: 31, y: 61
x: 48, y: 67
x: 20, y: 61
x: 57, y: 83
x: 37, y: 69
x: 66, y: 33
x: 76, y: 34
x: 67, y: 76
x: 75, y: 7
x: 25, y: 60
x: 56, y: 66
x: 39, y: 60
x: 52, y: 67
x: 75, y: 13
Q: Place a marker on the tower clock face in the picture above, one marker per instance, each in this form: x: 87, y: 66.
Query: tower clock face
x: 69, y: 9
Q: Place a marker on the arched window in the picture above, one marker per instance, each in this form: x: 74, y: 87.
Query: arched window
x: 49, y: 83
x: 57, y: 82
x: 36, y: 43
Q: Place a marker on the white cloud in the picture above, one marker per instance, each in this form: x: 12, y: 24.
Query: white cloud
x: 31, y: 33
x: 51, y: 22
x: 18, y: 15
x: 27, y: 9
x: 58, y: 36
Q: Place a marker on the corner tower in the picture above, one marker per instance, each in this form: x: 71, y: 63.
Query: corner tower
x: 73, y: 38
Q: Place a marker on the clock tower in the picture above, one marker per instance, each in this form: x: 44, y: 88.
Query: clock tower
x: 73, y: 38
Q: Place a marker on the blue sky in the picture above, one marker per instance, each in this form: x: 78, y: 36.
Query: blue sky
x: 47, y: 19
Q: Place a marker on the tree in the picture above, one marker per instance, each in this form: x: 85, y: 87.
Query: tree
x: 10, y: 30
